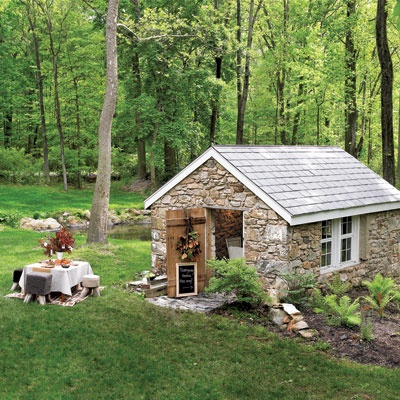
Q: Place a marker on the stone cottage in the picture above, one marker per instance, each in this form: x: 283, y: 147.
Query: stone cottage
x: 282, y: 208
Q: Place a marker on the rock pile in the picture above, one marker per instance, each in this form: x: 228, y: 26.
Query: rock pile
x: 288, y: 317
x: 67, y: 219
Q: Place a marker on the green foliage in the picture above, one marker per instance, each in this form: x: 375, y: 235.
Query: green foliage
x: 396, y: 13
x: 16, y: 166
x: 300, y: 287
x: 340, y: 310
x: 381, y: 293
x: 235, y: 276
x: 10, y: 218
x: 366, y: 328
x: 337, y: 286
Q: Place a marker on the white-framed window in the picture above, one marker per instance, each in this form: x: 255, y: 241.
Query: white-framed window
x: 340, y: 242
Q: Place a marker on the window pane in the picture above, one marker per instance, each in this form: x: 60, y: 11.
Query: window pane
x: 346, y: 225
x: 346, y: 250
x: 326, y: 229
x: 326, y: 254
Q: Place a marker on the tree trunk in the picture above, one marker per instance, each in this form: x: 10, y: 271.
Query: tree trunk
x: 243, y: 83
x: 398, y: 143
x: 296, y: 118
x: 57, y: 107
x: 78, y: 133
x: 239, y: 123
x: 39, y: 79
x: 215, y: 102
x: 350, y: 90
x: 97, y: 232
x: 385, y: 61
x: 137, y: 91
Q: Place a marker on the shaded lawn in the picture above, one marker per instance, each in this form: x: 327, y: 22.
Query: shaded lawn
x: 119, y: 346
x: 51, y: 199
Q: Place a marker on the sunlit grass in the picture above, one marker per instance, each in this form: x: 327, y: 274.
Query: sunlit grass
x: 118, y: 346
x: 50, y: 199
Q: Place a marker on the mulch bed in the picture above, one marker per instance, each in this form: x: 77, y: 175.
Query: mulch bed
x: 344, y: 342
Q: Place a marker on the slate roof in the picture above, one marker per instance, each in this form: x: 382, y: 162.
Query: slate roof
x: 301, y: 183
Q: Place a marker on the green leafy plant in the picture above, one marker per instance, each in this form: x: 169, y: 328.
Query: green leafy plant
x: 340, y: 310
x: 366, y: 328
x: 300, y: 287
x: 235, y: 276
x: 381, y: 293
x: 337, y: 286
x: 10, y: 218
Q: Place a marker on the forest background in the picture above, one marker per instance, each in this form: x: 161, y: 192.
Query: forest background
x: 191, y: 73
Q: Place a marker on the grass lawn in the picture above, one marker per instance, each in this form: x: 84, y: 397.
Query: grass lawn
x: 49, y: 200
x: 118, y: 346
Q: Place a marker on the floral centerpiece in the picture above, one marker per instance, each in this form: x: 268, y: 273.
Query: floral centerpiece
x: 62, y: 242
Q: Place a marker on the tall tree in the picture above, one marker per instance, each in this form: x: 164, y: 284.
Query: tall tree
x: 350, y: 90
x: 31, y: 15
x: 48, y: 11
x: 385, y: 61
x: 243, y: 73
x: 97, y: 232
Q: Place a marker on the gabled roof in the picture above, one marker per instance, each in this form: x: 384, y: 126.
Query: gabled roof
x: 302, y: 184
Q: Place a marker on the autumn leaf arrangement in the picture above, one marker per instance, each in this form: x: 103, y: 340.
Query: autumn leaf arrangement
x: 188, y: 245
x: 63, y: 241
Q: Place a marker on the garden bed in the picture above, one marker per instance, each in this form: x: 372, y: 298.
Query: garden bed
x: 341, y: 341
x: 344, y: 342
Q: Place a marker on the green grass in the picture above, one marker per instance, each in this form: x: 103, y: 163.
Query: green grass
x: 119, y: 346
x: 29, y: 200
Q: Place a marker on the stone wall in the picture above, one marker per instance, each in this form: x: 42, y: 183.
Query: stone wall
x: 379, y: 249
x: 269, y: 243
x: 212, y: 187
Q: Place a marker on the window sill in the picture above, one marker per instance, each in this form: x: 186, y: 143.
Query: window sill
x: 327, y: 270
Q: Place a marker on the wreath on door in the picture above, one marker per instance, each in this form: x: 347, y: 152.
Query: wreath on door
x: 188, y: 245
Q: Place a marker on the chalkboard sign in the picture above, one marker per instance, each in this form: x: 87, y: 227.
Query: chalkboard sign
x: 186, y: 279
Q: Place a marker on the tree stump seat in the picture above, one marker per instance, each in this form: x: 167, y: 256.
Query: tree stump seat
x: 91, y: 285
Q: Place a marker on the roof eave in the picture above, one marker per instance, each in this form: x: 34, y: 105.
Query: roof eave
x: 334, y: 214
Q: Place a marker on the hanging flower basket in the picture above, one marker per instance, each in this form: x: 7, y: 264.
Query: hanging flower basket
x: 188, y: 245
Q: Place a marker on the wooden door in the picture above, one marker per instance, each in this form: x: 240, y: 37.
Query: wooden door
x: 176, y: 222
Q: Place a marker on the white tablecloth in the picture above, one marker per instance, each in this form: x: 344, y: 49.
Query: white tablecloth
x: 63, y: 278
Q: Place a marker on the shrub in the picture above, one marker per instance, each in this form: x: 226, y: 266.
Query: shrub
x: 16, y: 166
x: 10, y: 218
x: 235, y: 276
x: 381, y: 293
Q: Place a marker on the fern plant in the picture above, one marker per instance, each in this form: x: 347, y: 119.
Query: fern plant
x: 339, y: 310
x: 338, y: 287
x: 381, y: 293
x: 299, y: 287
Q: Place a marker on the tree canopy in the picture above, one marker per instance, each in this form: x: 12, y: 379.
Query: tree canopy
x: 191, y: 74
